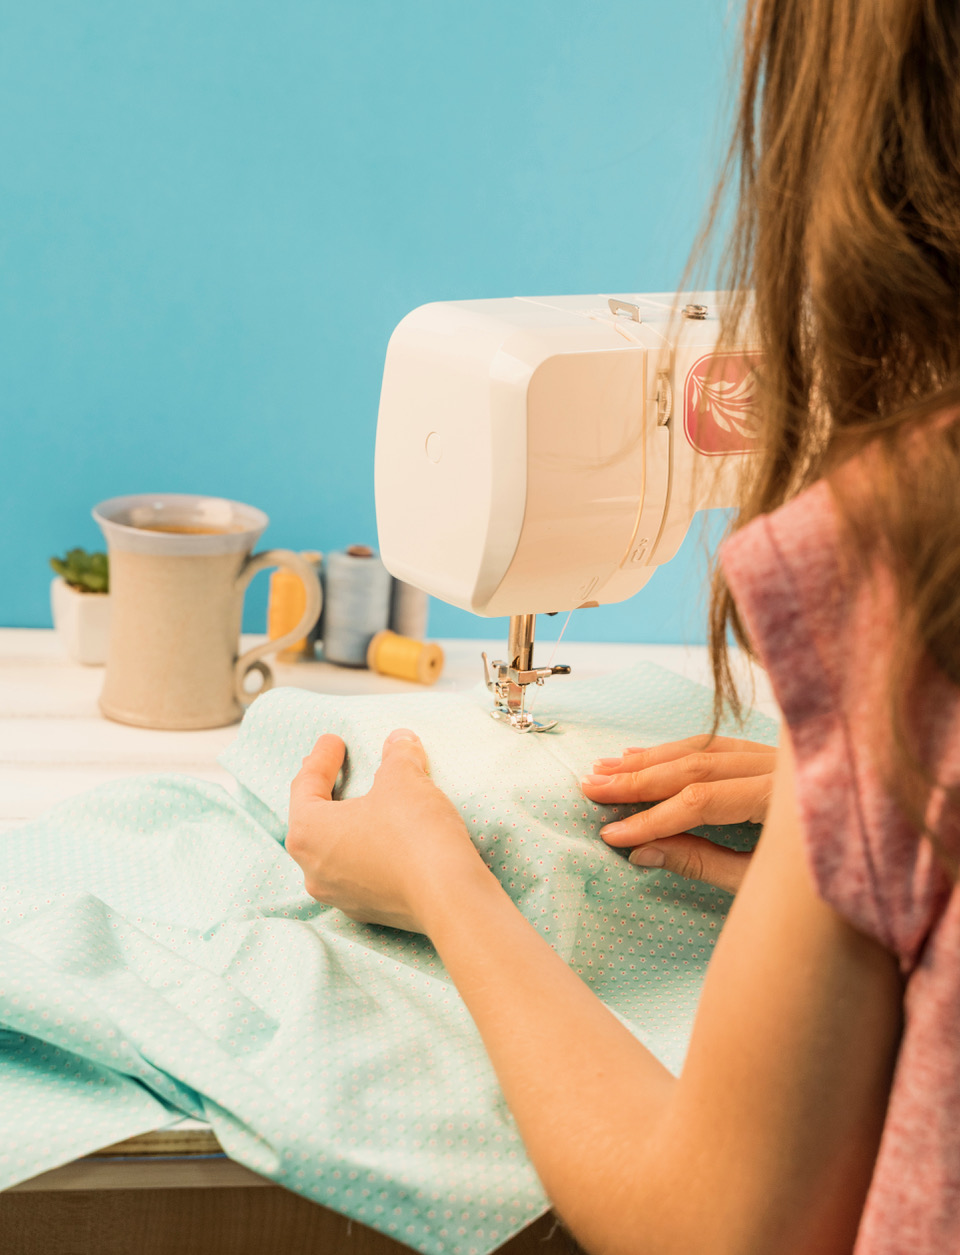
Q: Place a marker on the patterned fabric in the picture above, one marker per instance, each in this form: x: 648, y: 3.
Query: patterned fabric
x: 824, y: 635
x: 159, y: 957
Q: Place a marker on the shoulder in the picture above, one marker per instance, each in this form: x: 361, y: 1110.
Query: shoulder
x: 823, y: 625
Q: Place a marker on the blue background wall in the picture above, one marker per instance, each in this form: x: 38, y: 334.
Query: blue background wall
x: 213, y: 212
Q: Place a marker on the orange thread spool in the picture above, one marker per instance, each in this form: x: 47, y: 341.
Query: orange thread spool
x: 288, y: 600
x: 405, y: 658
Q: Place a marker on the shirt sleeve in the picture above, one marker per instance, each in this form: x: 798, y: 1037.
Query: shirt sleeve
x: 819, y: 634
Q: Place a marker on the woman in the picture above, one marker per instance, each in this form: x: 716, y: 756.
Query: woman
x: 819, y: 1106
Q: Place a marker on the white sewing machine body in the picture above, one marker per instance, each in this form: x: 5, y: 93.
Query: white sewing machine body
x: 537, y: 454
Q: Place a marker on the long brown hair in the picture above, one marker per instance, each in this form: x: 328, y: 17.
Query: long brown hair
x: 846, y: 162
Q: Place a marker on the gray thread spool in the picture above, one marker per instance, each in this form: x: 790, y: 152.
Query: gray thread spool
x: 409, y: 608
x: 357, y: 591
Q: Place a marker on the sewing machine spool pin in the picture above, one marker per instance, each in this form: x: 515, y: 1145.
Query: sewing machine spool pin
x: 510, y: 679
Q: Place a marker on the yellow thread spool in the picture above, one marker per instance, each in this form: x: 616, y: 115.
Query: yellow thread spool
x: 405, y: 658
x: 288, y: 600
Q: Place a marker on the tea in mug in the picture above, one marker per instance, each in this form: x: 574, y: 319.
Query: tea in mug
x: 187, y: 529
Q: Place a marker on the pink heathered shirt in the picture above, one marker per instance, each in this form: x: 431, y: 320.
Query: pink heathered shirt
x: 823, y: 633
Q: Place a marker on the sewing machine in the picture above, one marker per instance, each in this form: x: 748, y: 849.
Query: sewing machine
x: 542, y: 454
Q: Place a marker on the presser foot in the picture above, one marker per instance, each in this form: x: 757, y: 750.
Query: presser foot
x: 520, y: 721
x: 509, y: 684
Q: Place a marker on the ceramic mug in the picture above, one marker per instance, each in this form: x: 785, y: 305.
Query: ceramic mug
x: 179, y: 567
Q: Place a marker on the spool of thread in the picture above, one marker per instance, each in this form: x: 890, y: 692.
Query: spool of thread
x: 357, y: 591
x: 288, y: 600
x: 409, y: 608
x: 407, y: 659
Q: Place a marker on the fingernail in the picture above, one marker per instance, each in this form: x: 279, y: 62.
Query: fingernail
x: 402, y: 734
x: 596, y: 779
x: 608, y: 762
x: 634, y: 749
x: 648, y: 856
x: 611, y: 830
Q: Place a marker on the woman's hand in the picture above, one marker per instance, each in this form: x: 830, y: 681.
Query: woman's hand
x: 380, y: 857
x: 695, y: 781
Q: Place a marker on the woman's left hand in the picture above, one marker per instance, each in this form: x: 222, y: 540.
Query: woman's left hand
x: 380, y: 857
x: 701, y: 780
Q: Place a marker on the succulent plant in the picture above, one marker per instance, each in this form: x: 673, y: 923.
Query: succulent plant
x: 89, y: 572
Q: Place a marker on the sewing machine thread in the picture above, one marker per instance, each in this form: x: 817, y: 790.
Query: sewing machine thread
x: 407, y: 659
x: 409, y: 607
x: 288, y: 600
x: 357, y: 591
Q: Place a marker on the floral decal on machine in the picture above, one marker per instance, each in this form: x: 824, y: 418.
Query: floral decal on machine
x: 720, y: 403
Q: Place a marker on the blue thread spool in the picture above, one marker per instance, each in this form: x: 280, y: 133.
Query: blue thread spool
x: 409, y: 608
x: 357, y: 590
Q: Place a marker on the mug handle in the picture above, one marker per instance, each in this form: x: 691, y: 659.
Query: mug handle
x: 252, y: 660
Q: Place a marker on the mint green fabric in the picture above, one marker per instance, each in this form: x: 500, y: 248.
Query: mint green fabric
x: 159, y: 957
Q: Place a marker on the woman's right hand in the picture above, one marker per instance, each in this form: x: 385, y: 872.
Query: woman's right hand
x: 696, y: 781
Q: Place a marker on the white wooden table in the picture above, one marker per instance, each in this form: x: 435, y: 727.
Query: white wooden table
x: 54, y: 744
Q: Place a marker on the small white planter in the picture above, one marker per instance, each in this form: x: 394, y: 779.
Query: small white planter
x: 82, y: 621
